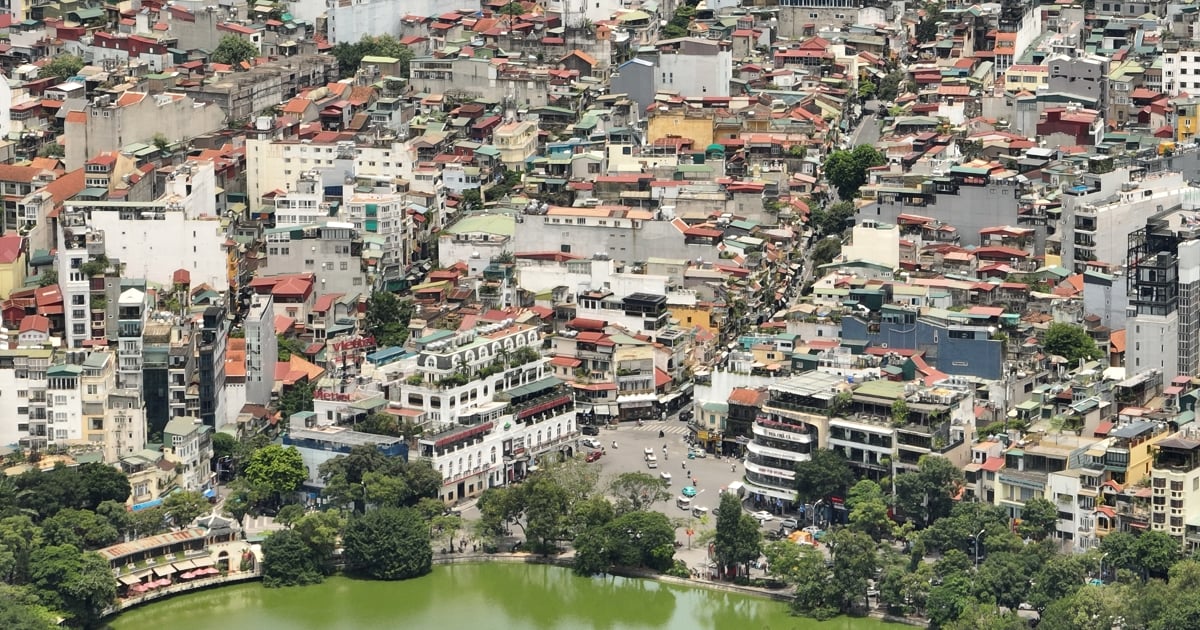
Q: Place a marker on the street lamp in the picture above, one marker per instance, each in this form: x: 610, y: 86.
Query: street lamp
x: 1102, y: 567
x: 976, y: 537
x: 816, y: 506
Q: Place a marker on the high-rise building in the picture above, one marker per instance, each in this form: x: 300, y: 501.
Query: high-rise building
x: 1163, y: 267
x: 210, y: 354
x: 262, y: 351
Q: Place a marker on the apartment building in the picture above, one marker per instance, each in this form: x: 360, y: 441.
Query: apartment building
x: 188, y: 443
x: 332, y: 252
x: 1175, y: 487
x: 318, y: 445
x: 276, y: 165
x: 169, y: 369
x: 108, y: 124
x: 1163, y: 271
x: 210, y: 366
x: 262, y: 351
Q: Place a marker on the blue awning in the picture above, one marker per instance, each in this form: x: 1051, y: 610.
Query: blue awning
x: 210, y: 493
x: 138, y: 507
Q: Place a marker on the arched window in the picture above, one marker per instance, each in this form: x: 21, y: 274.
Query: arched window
x: 493, y: 454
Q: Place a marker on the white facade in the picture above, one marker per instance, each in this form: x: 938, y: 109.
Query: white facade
x: 262, y: 351
x: 132, y: 310
x: 1096, y: 225
x: 1181, y: 72
x: 875, y: 242
x: 189, y: 442
x: 23, y: 395
x: 1152, y: 343
x: 277, y: 165
x: 1063, y: 490
x: 64, y: 405
x: 695, y: 75
x: 181, y: 230
x: 350, y: 22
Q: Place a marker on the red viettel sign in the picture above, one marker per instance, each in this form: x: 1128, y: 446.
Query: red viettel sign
x: 324, y: 394
x: 359, y: 343
x: 835, y: 500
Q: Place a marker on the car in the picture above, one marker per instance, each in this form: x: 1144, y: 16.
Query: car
x: 789, y: 524
x: 813, y: 529
x: 589, y: 443
x: 651, y: 464
x: 689, y: 491
x: 588, y: 429
x: 666, y: 476
x: 774, y: 535
x: 592, y: 456
x: 763, y: 516
x: 697, y: 453
x: 648, y: 452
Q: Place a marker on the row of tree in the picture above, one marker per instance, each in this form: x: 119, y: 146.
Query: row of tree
x: 968, y: 565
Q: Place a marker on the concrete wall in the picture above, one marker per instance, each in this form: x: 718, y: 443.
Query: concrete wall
x: 654, y: 239
x: 349, y: 20
x: 1151, y: 342
x: 175, y: 116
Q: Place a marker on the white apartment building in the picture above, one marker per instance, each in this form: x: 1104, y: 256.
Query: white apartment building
x: 188, y: 442
x: 277, y: 164
x: 693, y: 68
x: 23, y: 392
x: 382, y: 213
x: 64, y: 405
x: 132, y: 312
x: 302, y: 206
x: 1181, y: 72
x: 181, y: 230
x: 262, y: 351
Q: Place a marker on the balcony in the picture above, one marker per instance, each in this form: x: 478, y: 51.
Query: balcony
x: 783, y: 431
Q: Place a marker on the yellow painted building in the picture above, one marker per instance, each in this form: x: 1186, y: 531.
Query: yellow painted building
x: 13, y: 259
x: 698, y: 127
x: 1187, y: 119
x: 1026, y: 77
x: 690, y: 316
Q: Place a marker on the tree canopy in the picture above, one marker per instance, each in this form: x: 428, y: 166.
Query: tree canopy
x: 825, y: 475
x: 387, y: 318
x: 350, y: 56
x: 1071, y: 342
x: 846, y: 169
x: 288, y: 560
x: 928, y: 493
x: 388, y: 544
x: 62, y: 67
x: 276, y: 470
x: 233, y: 50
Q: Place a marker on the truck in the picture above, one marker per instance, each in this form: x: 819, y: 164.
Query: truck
x: 736, y: 488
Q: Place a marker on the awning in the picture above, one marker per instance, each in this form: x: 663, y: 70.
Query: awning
x: 637, y: 398
x: 166, y: 571
x: 669, y: 398
x: 138, y: 507
x: 129, y: 580
x: 210, y: 493
x: 601, y: 410
x: 203, y: 562
x: 186, y: 565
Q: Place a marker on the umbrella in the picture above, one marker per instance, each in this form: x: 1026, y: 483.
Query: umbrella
x: 189, y: 575
x: 163, y: 582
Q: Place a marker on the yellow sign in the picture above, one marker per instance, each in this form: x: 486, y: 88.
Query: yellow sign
x: 702, y: 435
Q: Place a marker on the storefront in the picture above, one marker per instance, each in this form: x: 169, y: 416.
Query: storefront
x: 638, y: 407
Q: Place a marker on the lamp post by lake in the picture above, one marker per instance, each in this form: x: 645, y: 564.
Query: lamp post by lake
x: 976, y: 538
x: 1102, y: 567
x: 816, y: 506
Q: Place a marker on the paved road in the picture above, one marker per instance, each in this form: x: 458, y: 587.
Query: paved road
x: 867, y: 131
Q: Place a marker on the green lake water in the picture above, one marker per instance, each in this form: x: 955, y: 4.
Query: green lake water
x: 500, y: 596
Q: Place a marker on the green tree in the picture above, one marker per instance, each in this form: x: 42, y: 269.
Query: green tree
x: 387, y: 318
x: 147, y: 522
x: 1157, y: 553
x: 1122, y: 552
x: 804, y: 567
x: 1071, y: 342
x: 288, y: 561
x: 21, y: 610
x: 546, y: 510
x: 1061, y: 576
x: 641, y: 539
x: 846, y: 169
x: 79, y: 528
x: 928, y: 493
x: 77, y: 584
x: 927, y: 29
x: 83, y: 487
x: 19, y: 537
x: 826, y: 250
x: 871, y: 518
x: 737, y: 540
x: 350, y: 56
x: 889, y: 86
x: 224, y: 445
x: 388, y: 544
x: 62, y: 67
x: 1039, y: 518
x: 1002, y: 578
x: 980, y: 617
x: 233, y: 50
x: 52, y: 150
x: 276, y: 470
x: 825, y: 475
x: 320, y: 532
x: 948, y: 600
x: 289, y: 514
x: 854, y: 562
x: 297, y: 398
x: 1089, y: 608
x: 183, y: 507
x: 637, y: 491
x: 831, y: 220
x: 286, y: 346
x: 899, y: 412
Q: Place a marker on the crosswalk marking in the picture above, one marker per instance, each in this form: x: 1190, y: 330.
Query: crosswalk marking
x: 670, y: 429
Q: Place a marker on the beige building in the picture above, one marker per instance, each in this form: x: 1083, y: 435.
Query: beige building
x: 108, y: 124
x: 517, y: 142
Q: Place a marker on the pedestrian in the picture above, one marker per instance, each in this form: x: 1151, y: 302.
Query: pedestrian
x: 733, y: 468
x: 683, y: 465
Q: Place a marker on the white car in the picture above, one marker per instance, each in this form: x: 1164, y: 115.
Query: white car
x: 666, y: 476
x: 648, y: 452
x: 590, y: 443
x: 763, y: 516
